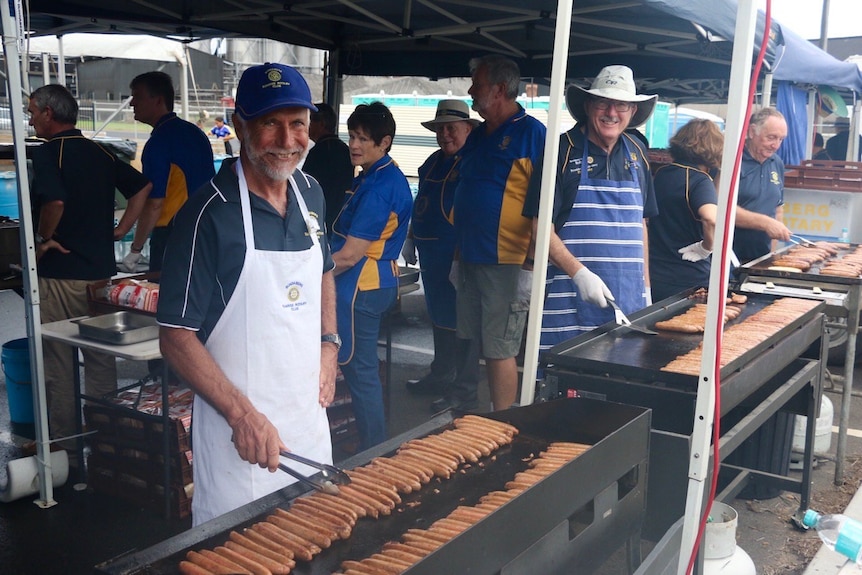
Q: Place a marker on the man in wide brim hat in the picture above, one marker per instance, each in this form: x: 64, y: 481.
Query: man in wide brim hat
x: 613, y: 83
x: 599, y: 243
x: 449, y: 111
x: 454, y: 372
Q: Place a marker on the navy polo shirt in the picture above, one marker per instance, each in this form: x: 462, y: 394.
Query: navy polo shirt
x: 83, y: 175
x: 681, y: 191
x: 761, y: 190
x: 613, y: 166
x: 206, y: 248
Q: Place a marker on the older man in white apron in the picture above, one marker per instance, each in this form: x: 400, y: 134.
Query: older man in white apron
x: 248, y: 307
x: 604, y: 193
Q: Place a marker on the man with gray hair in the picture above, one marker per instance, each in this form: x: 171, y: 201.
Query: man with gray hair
x: 247, y: 302
x: 74, y: 179
x: 760, y: 201
x: 491, y: 272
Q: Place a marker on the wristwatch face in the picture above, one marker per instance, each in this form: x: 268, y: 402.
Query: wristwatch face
x: 331, y: 338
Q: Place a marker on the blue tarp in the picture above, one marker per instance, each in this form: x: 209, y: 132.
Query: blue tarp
x: 789, y: 56
x: 791, y: 102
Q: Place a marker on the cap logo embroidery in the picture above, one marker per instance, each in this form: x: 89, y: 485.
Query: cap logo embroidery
x: 274, y: 77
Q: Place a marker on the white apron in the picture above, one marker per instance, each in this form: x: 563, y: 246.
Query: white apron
x: 267, y: 342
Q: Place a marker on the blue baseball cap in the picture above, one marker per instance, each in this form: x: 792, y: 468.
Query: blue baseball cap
x: 268, y: 87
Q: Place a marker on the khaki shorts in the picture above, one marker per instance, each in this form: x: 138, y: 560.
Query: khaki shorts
x: 489, y: 310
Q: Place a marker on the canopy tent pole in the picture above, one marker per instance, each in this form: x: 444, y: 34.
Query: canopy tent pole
x: 766, y: 95
x: 811, y: 114
x: 61, y: 62
x: 28, y: 259
x: 546, y: 200
x: 184, y: 83
x: 852, y: 327
x: 701, y: 439
x: 46, y: 68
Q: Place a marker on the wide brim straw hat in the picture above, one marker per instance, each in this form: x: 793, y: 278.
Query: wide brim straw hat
x: 614, y: 83
x: 450, y: 111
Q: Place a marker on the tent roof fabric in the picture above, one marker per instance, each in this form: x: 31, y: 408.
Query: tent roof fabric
x: 677, y: 48
x: 127, y: 46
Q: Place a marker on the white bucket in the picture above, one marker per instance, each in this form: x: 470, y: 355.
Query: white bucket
x: 822, y: 429
x: 722, y: 556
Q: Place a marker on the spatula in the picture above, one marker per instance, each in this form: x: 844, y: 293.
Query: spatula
x: 621, y: 320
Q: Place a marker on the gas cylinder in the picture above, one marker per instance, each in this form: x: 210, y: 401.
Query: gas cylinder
x: 722, y: 556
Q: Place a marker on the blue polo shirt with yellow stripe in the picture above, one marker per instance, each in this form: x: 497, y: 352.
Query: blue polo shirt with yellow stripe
x: 377, y: 209
x: 178, y: 159
x: 495, y: 173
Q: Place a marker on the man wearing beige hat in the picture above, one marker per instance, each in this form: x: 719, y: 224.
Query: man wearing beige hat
x: 455, y: 369
x: 604, y: 193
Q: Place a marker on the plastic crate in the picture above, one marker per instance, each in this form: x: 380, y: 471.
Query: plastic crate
x: 135, y: 428
x: 106, y: 477
x: 145, y: 464
x: 825, y: 175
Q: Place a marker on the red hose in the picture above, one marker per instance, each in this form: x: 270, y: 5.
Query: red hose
x: 719, y: 327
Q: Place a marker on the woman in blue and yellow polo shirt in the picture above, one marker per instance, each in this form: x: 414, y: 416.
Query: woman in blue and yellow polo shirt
x: 366, y: 242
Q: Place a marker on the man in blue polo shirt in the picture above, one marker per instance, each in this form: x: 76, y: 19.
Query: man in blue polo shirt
x: 177, y: 158
x: 760, y: 202
x: 247, y: 303
x: 491, y: 271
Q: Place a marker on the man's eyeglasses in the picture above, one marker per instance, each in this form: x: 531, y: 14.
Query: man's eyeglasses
x: 602, y: 104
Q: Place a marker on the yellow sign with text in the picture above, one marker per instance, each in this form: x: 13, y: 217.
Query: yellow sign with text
x: 812, y: 218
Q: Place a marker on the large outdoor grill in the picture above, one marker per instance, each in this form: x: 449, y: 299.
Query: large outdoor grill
x: 621, y: 365
x: 843, y: 299
x: 576, y: 517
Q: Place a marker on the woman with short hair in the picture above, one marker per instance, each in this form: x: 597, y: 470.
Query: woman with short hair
x: 366, y: 243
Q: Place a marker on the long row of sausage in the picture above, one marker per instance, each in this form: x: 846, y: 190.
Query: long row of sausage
x: 744, y: 336
x: 313, y: 522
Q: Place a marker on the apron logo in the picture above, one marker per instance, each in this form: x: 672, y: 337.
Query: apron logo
x: 504, y: 145
x: 295, y: 300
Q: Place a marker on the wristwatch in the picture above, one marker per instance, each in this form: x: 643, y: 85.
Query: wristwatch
x: 39, y: 239
x: 333, y: 338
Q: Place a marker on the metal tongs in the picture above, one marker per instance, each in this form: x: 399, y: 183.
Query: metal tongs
x: 621, y: 320
x: 330, y: 476
x: 800, y: 241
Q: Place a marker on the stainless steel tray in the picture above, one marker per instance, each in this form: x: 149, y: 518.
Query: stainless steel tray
x: 119, y: 328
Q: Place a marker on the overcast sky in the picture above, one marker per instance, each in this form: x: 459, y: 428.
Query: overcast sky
x: 803, y: 16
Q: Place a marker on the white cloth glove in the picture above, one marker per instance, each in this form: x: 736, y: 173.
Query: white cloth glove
x: 525, y: 285
x: 454, y: 274
x: 408, y: 251
x: 694, y: 252
x: 130, y: 262
x: 591, y: 288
